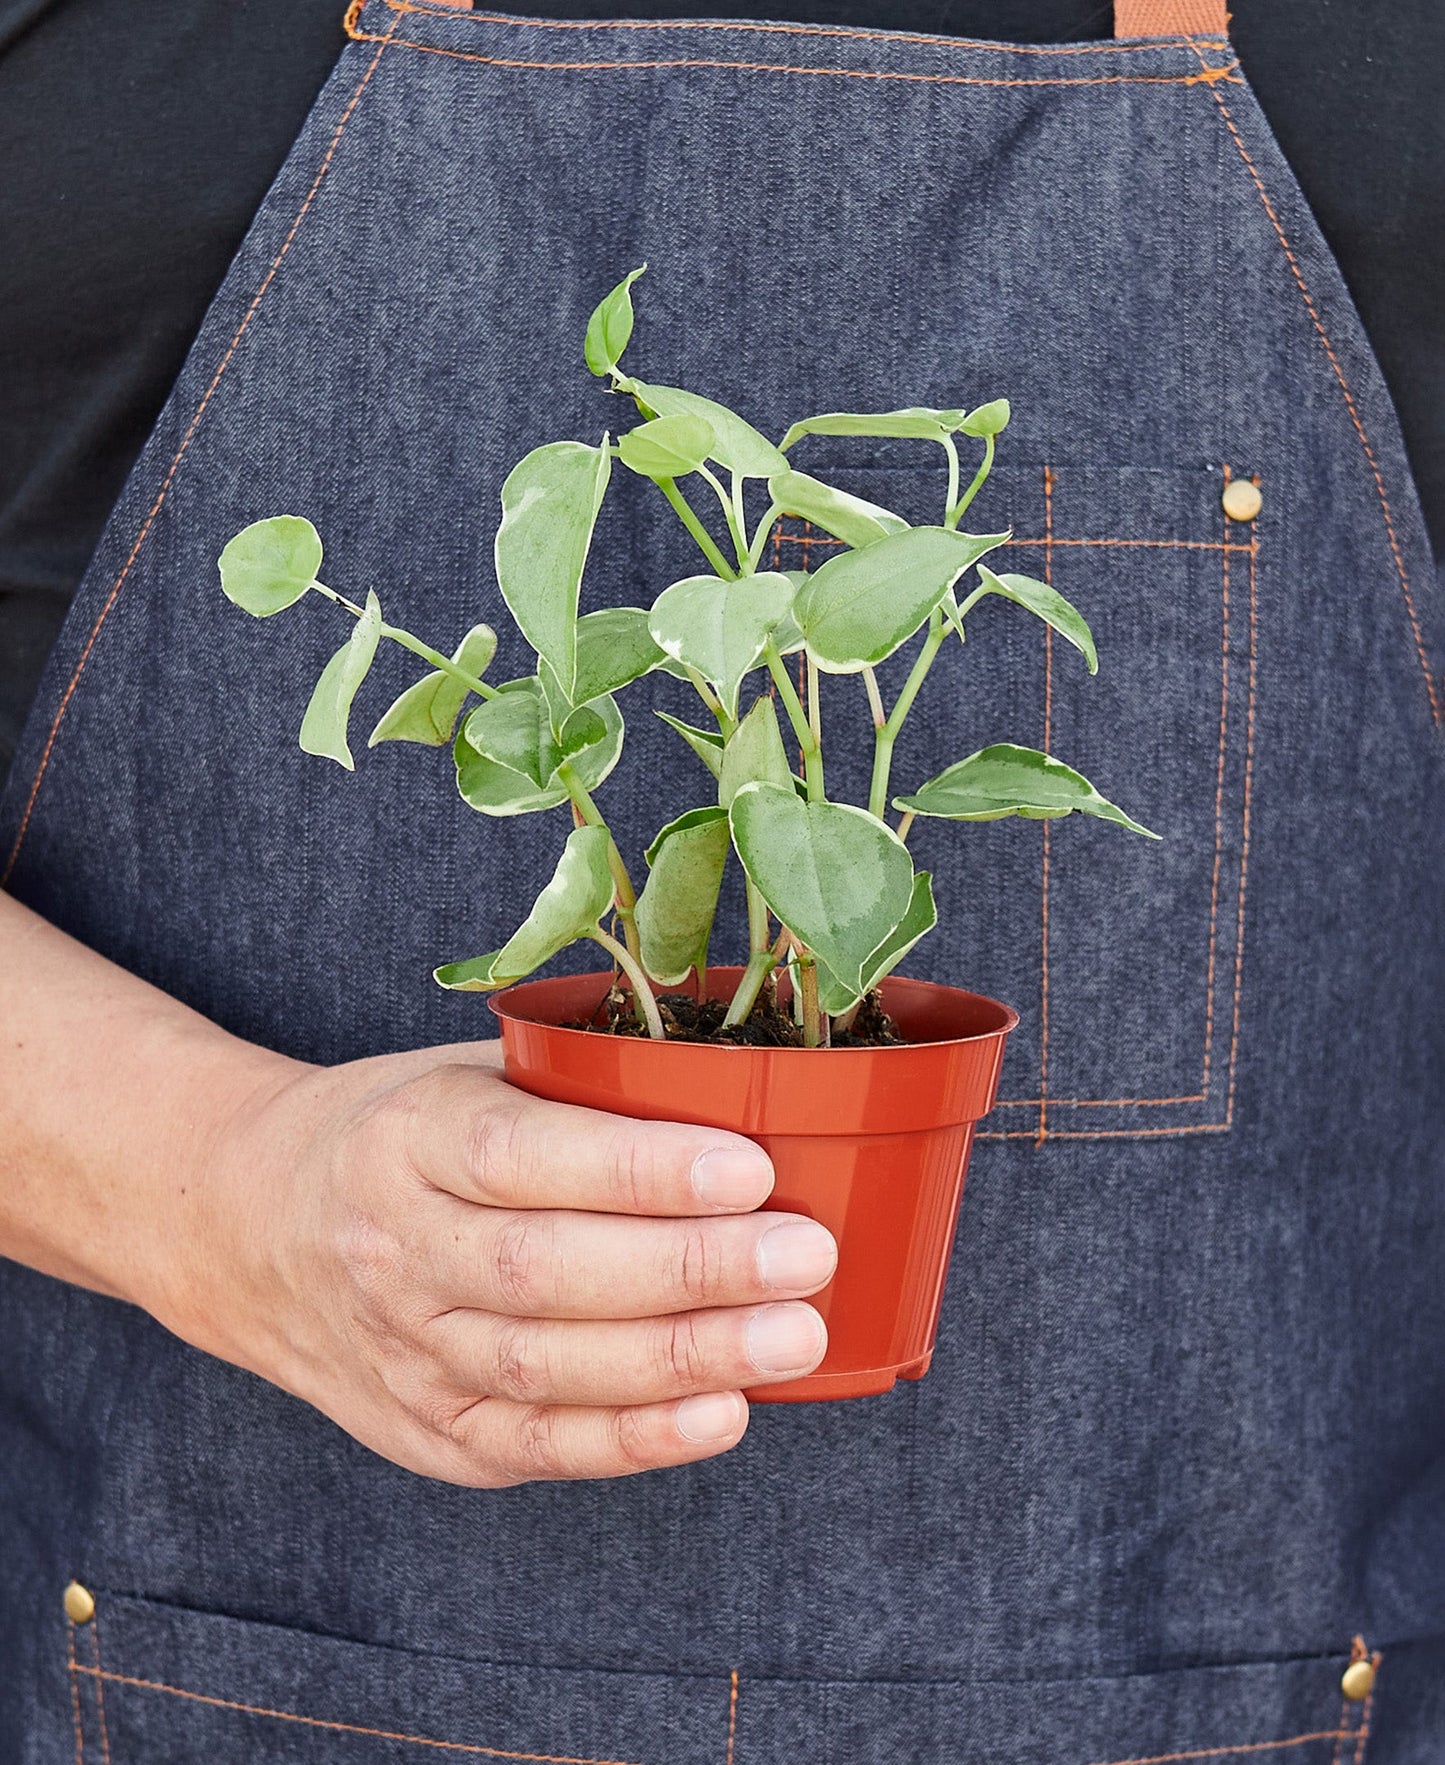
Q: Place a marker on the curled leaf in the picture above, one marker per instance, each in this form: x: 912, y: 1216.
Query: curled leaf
x: 707, y: 744
x: 987, y: 419
x: 920, y: 919
x: 852, y: 519
x: 676, y: 908
x: 609, y: 330
x: 1044, y: 602
x: 916, y: 422
x: 506, y: 746
x: 323, y: 728
x: 428, y: 710
x: 1007, y: 780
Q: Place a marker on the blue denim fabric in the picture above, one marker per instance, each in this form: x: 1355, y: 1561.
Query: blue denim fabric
x: 1184, y: 1436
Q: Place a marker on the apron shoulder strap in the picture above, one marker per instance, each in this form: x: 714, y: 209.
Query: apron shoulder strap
x: 1171, y: 18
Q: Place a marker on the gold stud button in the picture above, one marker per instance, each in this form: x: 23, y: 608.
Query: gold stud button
x: 1241, y: 499
x: 1358, y: 1680
x: 79, y: 1603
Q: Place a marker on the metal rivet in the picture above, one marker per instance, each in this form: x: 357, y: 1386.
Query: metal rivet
x: 79, y: 1603
x: 1358, y: 1680
x: 1241, y: 499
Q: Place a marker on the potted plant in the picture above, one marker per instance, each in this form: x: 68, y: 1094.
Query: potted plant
x: 863, y: 1087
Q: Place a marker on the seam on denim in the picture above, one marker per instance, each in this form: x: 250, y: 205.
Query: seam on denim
x: 1244, y: 835
x: 1218, y: 805
x: 1177, y: 545
x: 1364, y: 1737
x: 732, y: 1715
x: 1211, y: 76
x: 1437, y: 712
x: 1105, y: 45
x: 414, y: 1740
x: 1044, y: 882
x: 100, y: 1689
x: 174, y: 467
x: 72, y: 1671
x: 1259, y: 1746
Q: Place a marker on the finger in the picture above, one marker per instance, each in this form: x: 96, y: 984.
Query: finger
x: 632, y: 1361
x: 546, y: 1263
x: 467, y: 1131
x: 524, y: 1443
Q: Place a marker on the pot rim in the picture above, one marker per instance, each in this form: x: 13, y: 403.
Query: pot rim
x: 1008, y: 1017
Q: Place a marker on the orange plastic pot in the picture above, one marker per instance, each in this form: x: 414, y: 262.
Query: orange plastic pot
x: 871, y: 1142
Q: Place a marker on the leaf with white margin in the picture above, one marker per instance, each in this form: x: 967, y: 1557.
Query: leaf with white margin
x: 720, y: 628
x: 1044, y: 602
x: 269, y: 565
x: 523, y: 734
x: 838, y: 878
x: 323, y: 728
x: 677, y: 906
x: 916, y: 422
x: 920, y: 919
x: 569, y: 908
x: 860, y: 606
x: 987, y: 419
x: 754, y: 753
x: 550, y: 502
x: 1007, y: 780
x: 735, y: 444
x: 427, y: 711
x: 707, y: 744
x: 852, y: 519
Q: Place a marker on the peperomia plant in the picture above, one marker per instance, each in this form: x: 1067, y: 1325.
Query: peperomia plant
x: 837, y: 879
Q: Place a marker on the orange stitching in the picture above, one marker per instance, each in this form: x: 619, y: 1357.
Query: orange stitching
x: 1363, y: 1741
x: 74, y: 1691
x: 1259, y: 1746
x: 1103, y: 46
x: 1244, y: 843
x: 1218, y: 815
x: 1098, y: 1102
x: 100, y: 1689
x: 765, y: 67
x: 1107, y: 1133
x: 732, y: 1715
x: 155, y: 508
x: 415, y: 1740
x: 1180, y: 545
x: 1044, y: 883
x: 1344, y: 385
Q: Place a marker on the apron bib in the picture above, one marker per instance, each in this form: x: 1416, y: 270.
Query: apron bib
x: 1184, y: 1436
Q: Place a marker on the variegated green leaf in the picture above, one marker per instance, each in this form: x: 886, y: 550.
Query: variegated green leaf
x: 1044, y: 602
x: 323, y: 728
x: 427, y: 711
x: 269, y: 565
x: 917, y: 922
x: 720, y: 628
x: 1007, y: 780
x: 676, y: 907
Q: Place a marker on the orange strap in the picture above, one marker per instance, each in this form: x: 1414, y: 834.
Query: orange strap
x: 1171, y: 18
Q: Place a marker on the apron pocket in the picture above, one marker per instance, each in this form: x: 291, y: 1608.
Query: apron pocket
x: 1124, y: 958
x: 158, y: 1685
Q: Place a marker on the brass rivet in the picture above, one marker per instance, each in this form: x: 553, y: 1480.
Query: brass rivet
x: 79, y: 1603
x: 1241, y: 499
x: 1358, y: 1681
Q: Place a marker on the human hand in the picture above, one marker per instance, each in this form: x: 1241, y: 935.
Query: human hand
x: 485, y: 1287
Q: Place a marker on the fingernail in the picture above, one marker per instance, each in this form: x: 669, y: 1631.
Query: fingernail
x: 712, y: 1416
x: 785, y: 1338
x: 800, y: 1255
x: 732, y: 1176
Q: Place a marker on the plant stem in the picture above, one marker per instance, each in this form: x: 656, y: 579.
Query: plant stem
x: 815, y: 707
x: 712, y: 701
x: 760, y: 965
x: 807, y: 739
x: 760, y: 535
x: 952, y: 497
x: 884, y: 738
x: 668, y: 487
x: 875, y: 698
x: 624, y: 894
x: 415, y: 645
x: 815, y: 1026
x: 905, y: 825
x: 736, y: 532
x: 642, y: 994
x: 955, y: 514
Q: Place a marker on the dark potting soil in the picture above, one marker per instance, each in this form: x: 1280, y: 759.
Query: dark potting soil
x: 687, y: 1019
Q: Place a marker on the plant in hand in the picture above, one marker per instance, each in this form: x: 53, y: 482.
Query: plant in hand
x: 832, y: 893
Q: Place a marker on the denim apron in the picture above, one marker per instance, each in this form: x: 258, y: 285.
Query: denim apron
x: 1179, y: 1467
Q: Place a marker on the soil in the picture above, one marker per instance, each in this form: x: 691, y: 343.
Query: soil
x: 688, y: 1019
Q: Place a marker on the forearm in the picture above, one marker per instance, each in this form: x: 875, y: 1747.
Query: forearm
x: 110, y: 1094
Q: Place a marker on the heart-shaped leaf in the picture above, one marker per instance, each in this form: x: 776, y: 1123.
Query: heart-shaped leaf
x: 521, y: 734
x: 666, y: 447
x: 707, y: 744
x: 676, y: 907
x: 920, y: 919
x: 987, y: 419
x: 1044, y: 602
x: 736, y: 444
x: 550, y: 502
x: 861, y: 605
x: 1007, y: 780
x: 754, y: 752
x: 850, y: 518
x: 323, y: 728
x: 916, y: 422
x: 269, y: 565
x: 837, y: 878
x: 720, y: 628
x: 428, y: 710
x: 609, y: 330
x: 569, y: 908
x: 614, y: 648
